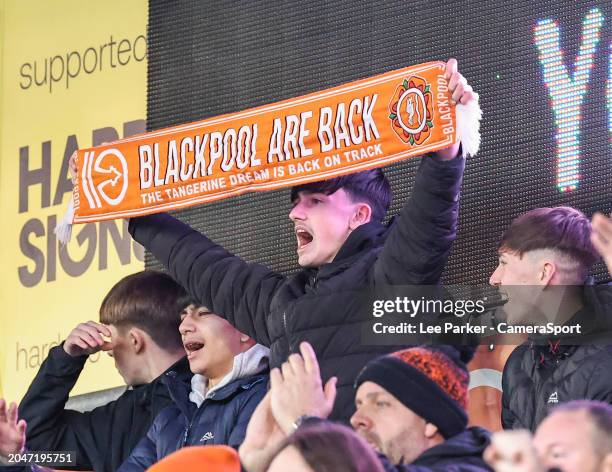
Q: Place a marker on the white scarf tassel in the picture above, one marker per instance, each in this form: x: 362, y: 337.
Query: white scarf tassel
x: 63, y: 230
x: 468, y: 127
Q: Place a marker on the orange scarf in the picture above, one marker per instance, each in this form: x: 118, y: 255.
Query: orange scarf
x: 361, y: 125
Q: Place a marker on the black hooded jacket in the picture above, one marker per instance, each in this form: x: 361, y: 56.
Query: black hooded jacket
x: 318, y: 305
x: 103, y: 437
x: 461, y: 453
x: 542, y: 373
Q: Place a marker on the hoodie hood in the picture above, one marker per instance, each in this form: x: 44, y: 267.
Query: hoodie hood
x: 248, y: 363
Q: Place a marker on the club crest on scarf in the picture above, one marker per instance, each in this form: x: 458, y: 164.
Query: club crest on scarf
x: 411, y: 111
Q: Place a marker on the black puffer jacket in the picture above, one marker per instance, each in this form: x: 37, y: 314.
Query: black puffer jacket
x: 317, y: 305
x: 461, y: 453
x: 103, y: 437
x: 538, y: 376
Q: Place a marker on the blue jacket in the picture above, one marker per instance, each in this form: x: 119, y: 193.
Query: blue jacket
x: 221, y: 419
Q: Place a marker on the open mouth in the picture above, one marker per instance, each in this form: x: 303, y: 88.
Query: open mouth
x: 304, y: 238
x: 192, y: 347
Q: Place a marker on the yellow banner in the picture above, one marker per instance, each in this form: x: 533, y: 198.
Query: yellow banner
x: 73, y: 76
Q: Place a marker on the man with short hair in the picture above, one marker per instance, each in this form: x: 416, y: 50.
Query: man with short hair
x: 544, y: 259
x: 231, y: 378
x: 411, y: 407
x: 343, y: 249
x: 574, y: 437
x: 141, y: 317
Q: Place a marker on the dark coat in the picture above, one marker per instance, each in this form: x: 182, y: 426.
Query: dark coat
x: 461, y: 453
x: 103, y: 437
x: 221, y: 419
x: 542, y: 373
x: 318, y: 306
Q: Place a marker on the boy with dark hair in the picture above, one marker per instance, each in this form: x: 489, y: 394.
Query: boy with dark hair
x: 146, y: 300
x: 544, y: 259
x: 231, y: 378
x: 369, y: 186
x: 342, y: 248
x: 562, y: 231
x: 146, y: 345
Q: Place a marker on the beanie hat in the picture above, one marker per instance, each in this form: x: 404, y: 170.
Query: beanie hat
x: 197, y: 458
x: 431, y: 381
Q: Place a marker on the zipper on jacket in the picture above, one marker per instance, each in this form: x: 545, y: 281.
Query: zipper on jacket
x: 286, y: 331
x: 195, y: 416
x: 187, y: 431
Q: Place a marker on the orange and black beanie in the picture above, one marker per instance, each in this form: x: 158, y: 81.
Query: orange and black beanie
x: 432, y: 381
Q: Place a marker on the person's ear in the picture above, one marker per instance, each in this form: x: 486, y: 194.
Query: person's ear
x: 136, y: 340
x: 547, y: 271
x: 361, y: 215
x: 430, y: 430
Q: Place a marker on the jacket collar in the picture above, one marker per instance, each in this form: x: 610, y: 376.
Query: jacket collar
x: 179, y: 392
x: 251, y: 362
x: 236, y: 386
x: 467, y: 446
x: 365, y: 237
x: 179, y: 371
x: 594, y: 319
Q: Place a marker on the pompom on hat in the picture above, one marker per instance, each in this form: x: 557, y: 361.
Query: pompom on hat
x: 432, y: 381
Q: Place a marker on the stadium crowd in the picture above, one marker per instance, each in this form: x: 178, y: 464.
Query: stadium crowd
x: 231, y: 366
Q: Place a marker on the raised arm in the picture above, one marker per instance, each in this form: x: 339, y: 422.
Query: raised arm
x: 419, y: 243
x: 221, y: 281
x: 50, y: 426
x: 602, y: 238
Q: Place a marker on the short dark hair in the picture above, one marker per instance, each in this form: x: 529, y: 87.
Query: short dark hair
x: 369, y: 186
x: 186, y: 301
x: 562, y: 229
x: 600, y: 413
x: 331, y: 447
x: 146, y: 300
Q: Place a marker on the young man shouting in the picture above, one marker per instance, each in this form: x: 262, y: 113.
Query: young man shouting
x: 544, y: 259
x: 231, y: 377
x: 342, y: 248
